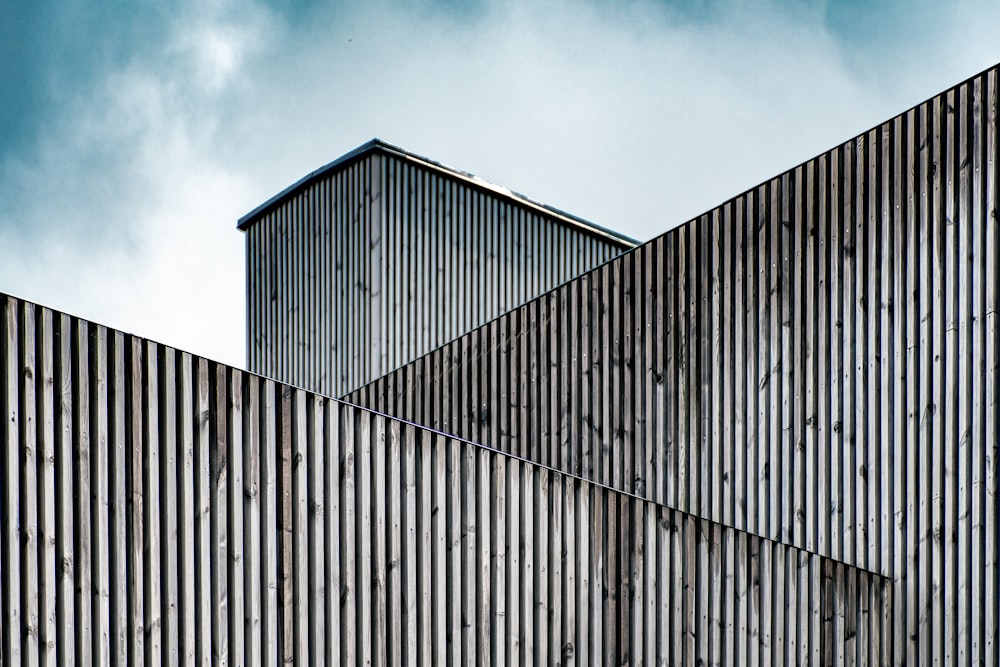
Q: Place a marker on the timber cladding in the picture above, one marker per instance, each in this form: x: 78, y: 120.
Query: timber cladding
x: 816, y: 361
x: 160, y: 508
x: 383, y: 256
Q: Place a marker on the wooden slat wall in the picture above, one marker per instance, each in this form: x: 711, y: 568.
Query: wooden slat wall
x: 159, y: 508
x: 384, y: 259
x: 816, y: 361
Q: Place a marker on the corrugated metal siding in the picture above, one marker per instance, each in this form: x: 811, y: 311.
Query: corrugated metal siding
x: 816, y: 361
x: 385, y: 258
x: 159, y: 508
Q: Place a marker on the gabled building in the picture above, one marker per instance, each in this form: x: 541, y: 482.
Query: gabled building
x: 382, y: 256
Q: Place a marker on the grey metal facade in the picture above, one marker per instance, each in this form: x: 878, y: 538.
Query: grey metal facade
x: 382, y: 256
x: 816, y: 361
x: 159, y: 508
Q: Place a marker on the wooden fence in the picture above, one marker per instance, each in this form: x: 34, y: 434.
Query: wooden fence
x: 159, y: 508
x: 816, y: 361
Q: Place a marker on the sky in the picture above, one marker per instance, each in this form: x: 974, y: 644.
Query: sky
x: 133, y: 135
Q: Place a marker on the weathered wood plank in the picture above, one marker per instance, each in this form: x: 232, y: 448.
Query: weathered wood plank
x: 202, y: 507
x: 318, y: 440
x: 254, y: 557
x: 135, y: 533
x: 23, y: 517
x: 349, y: 549
x: 365, y: 587
x: 393, y: 606
x: 498, y: 561
x: 100, y: 543
x: 118, y: 464
x: 951, y: 401
x: 170, y: 556
x: 480, y: 579
x: 978, y: 390
x: 384, y: 437
x: 48, y: 636
x: 83, y: 523
x: 286, y: 530
x: 991, y: 648
x: 219, y: 468
x: 186, y: 511
x: 417, y: 545
x: 962, y: 508
x: 152, y: 530
x: 234, y: 507
x: 300, y: 524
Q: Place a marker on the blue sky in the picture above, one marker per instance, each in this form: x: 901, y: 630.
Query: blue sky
x: 134, y: 134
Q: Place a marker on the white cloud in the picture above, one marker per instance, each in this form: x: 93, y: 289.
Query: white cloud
x: 124, y: 214
x: 634, y: 116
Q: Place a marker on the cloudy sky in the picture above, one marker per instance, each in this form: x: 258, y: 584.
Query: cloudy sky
x: 134, y: 134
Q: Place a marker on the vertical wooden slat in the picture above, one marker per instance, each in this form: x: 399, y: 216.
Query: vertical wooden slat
x: 269, y: 524
x: 782, y: 602
x: 481, y: 575
x: 964, y: 264
x: 22, y: 489
x: 991, y: 640
x: 435, y: 626
x: 349, y: 548
x: 286, y: 527
x: 152, y: 527
x: 234, y: 511
x: 254, y: 557
x: 332, y: 566
x: 365, y: 587
x: 82, y: 485
x: 927, y: 424
x: 204, y: 541
x: 416, y: 547
x: 100, y: 502
x: 117, y: 498
x: 169, y: 545
x: 978, y: 392
x: 47, y: 533
x: 530, y: 562
x: 219, y: 454
x: 730, y: 632
x: 186, y: 473
x: 391, y: 607
x: 299, y: 529
x: 317, y: 570
x: 950, y: 408
x: 9, y: 561
x: 540, y: 604
x: 134, y: 478
x: 381, y: 441
x: 448, y: 530
x: 774, y: 471
x: 740, y: 433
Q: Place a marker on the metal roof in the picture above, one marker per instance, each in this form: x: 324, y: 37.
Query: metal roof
x: 377, y: 145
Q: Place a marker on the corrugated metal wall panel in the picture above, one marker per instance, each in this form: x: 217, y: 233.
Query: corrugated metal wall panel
x: 159, y: 508
x: 814, y: 361
x: 387, y: 257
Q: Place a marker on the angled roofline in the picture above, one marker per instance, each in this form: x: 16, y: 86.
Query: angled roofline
x: 378, y: 146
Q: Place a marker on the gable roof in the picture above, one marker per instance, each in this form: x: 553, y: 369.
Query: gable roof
x: 377, y: 146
